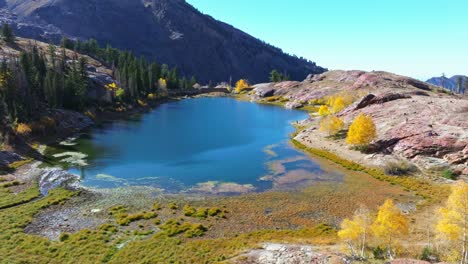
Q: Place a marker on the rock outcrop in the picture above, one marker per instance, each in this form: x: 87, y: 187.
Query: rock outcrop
x: 415, y: 120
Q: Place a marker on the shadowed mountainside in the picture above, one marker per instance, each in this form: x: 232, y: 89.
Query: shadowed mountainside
x: 170, y: 31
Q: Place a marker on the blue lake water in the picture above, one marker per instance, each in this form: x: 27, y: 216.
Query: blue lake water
x: 216, y: 145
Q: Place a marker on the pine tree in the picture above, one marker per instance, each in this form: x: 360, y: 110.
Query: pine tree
x: 459, y: 84
x: 7, y: 34
x: 275, y: 76
x: 465, y: 85
x: 193, y: 81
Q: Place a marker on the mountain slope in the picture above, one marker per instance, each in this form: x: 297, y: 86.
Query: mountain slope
x: 170, y: 31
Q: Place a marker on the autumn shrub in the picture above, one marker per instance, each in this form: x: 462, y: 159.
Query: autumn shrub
x: 151, y: 96
x: 120, y: 93
x: 241, y: 85
x: 173, y: 206
x: 399, y: 168
x: 331, y: 125
x: 142, y: 103
x: 23, y: 129
x: 90, y: 114
x: 324, y: 110
x: 362, y: 131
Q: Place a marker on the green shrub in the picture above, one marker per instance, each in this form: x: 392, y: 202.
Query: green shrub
x: 64, y: 236
x: 188, y: 210
x: 428, y: 255
x: 173, y: 206
x: 201, y: 213
x: 156, y: 206
x: 214, y: 211
x: 450, y: 175
x: 399, y: 168
x: 378, y: 252
x: 195, y: 230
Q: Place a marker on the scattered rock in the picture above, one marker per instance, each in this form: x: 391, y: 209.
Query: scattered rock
x: 52, y: 178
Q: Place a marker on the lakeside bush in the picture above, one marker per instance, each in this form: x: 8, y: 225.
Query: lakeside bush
x: 331, y: 125
x: 399, y: 168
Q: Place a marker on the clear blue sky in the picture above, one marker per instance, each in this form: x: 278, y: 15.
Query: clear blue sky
x: 411, y: 37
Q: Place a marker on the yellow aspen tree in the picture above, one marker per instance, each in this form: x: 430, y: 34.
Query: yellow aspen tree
x: 323, y: 110
x: 162, y: 84
x: 453, y: 223
x: 362, y: 131
x: 331, y: 125
x: 355, y: 232
x: 389, y: 224
x: 338, y: 104
x: 241, y: 85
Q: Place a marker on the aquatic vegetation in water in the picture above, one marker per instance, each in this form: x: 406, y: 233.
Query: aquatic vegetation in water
x: 110, y: 178
x: 74, y: 158
x: 69, y: 142
x: 270, y: 152
x: 215, y: 187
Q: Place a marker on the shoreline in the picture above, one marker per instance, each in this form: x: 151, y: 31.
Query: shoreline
x: 307, y: 216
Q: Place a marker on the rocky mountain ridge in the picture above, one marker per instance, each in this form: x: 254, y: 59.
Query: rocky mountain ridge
x: 169, y: 31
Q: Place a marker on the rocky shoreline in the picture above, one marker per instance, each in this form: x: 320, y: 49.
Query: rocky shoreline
x: 416, y: 121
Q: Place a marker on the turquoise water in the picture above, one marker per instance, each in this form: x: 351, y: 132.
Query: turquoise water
x: 217, y: 145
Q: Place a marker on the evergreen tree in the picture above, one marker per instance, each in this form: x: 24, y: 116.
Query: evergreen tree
x: 459, y: 84
x: 7, y: 34
x: 465, y: 85
x: 275, y: 76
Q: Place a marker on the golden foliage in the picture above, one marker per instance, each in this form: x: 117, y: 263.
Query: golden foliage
x: 338, y: 104
x: 162, y: 84
x: 112, y: 86
x: 241, y: 85
x: 151, y: 96
x: 119, y: 93
x: 362, y: 131
x: 331, y: 125
x: 324, y: 110
x: 23, y: 129
x: 453, y: 221
x: 90, y: 114
x: 389, y: 224
x: 355, y: 231
x: 142, y: 103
